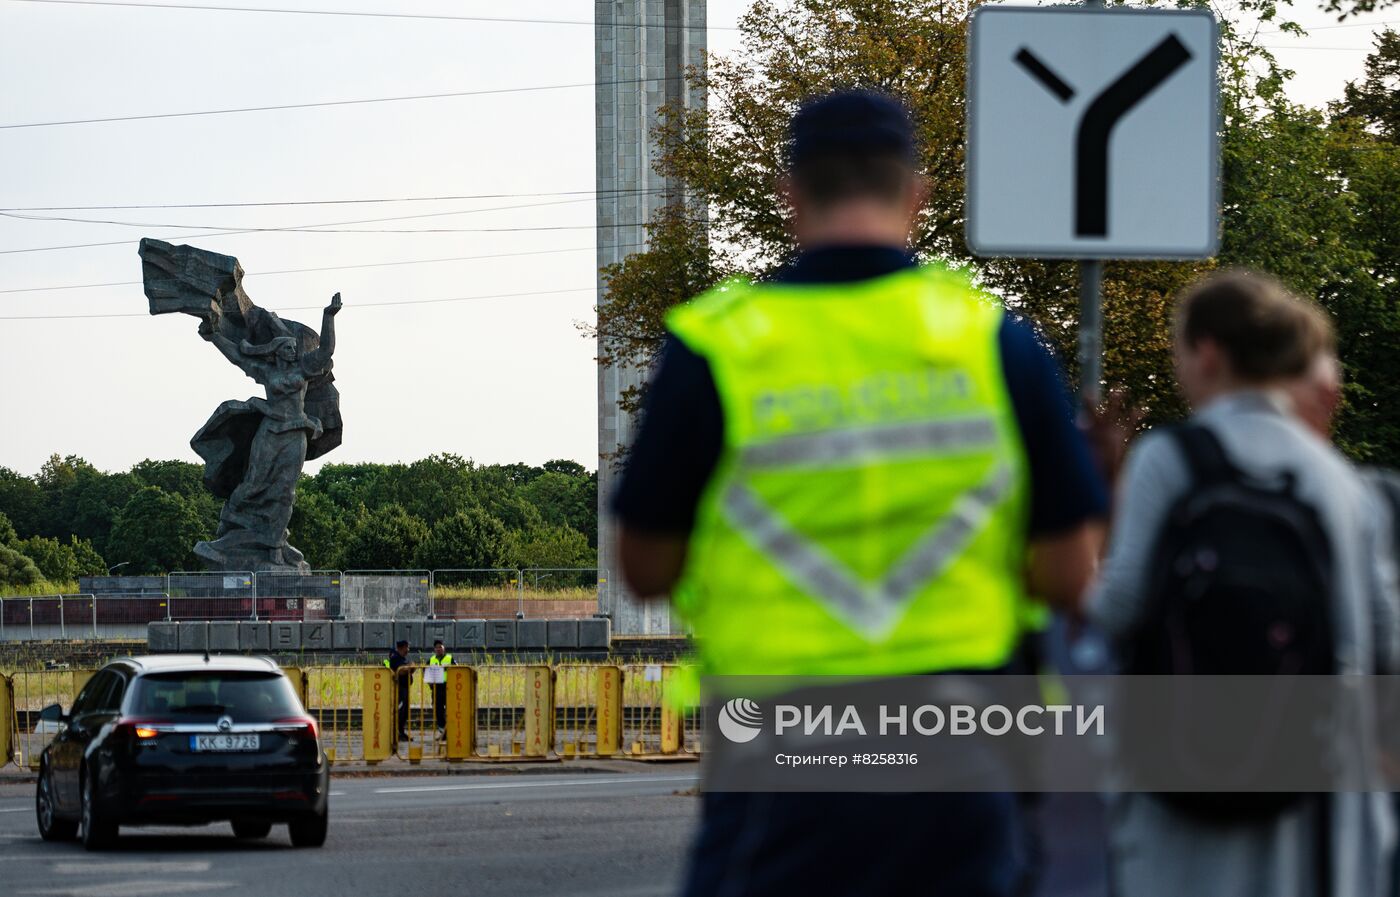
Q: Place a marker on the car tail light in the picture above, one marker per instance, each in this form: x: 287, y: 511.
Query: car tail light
x: 300, y: 723
x: 141, y: 730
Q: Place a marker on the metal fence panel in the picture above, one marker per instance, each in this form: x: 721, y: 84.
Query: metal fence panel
x: 385, y: 594
x: 32, y: 691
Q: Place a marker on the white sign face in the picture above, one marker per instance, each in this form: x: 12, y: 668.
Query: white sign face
x: 1092, y: 133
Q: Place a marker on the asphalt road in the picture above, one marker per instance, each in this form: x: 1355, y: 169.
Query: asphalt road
x: 577, y: 835
x: 571, y: 835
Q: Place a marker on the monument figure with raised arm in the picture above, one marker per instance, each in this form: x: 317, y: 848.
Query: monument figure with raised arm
x: 253, y: 450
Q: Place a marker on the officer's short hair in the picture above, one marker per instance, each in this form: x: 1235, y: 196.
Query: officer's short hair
x: 401, y: 643
x: 1266, y: 332
x: 438, y: 641
x: 851, y: 144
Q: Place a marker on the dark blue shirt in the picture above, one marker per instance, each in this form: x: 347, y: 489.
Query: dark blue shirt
x: 682, y: 430
x: 396, y: 661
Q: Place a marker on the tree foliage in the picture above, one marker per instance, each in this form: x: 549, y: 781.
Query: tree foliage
x: 469, y: 539
x: 155, y: 532
x: 1303, y: 195
x: 440, y: 511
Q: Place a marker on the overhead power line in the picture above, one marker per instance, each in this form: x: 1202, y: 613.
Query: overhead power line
x: 325, y: 202
x: 435, y: 17
x: 1346, y: 49
x: 1342, y: 25
x: 318, y: 307
x: 292, y: 228
x: 306, y: 230
x: 390, y: 264
x: 325, y: 103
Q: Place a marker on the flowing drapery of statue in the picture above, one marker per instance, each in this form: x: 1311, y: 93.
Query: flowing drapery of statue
x: 253, y: 450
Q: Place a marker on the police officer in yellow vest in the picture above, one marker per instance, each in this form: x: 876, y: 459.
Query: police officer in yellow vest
x: 860, y: 465
x: 436, y: 676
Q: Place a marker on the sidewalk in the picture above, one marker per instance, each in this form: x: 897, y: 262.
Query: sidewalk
x: 395, y: 767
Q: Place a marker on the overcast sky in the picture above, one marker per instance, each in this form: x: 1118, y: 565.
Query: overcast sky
x: 494, y: 379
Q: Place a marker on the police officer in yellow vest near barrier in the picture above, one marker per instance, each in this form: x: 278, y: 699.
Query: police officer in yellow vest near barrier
x: 860, y: 465
x: 436, y: 676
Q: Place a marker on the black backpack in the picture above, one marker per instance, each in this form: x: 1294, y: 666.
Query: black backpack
x: 1240, y: 584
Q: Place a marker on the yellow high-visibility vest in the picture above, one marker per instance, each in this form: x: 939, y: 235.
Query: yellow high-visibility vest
x: 868, y: 512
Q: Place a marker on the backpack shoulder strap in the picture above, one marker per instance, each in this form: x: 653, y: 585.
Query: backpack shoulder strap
x: 1204, y: 454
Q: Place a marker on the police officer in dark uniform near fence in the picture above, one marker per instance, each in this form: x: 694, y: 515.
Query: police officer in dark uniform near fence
x: 800, y: 435
x: 399, y: 664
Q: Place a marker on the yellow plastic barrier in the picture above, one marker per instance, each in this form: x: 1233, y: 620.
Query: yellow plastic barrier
x: 31, y: 692
x: 609, y: 710
x: 670, y: 714
x: 7, y: 719
x: 461, y: 712
x: 297, y: 676
x: 539, y: 711
x: 380, y: 696
x: 494, y: 711
x: 500, y: 698
x: 335, y: 701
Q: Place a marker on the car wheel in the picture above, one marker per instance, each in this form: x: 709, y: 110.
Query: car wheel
x: 51, y: 827
x: 251, y: 828
x: 310, y: 831
x: 94, y: 830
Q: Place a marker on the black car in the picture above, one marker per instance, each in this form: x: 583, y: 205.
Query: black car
x: 183, y: 740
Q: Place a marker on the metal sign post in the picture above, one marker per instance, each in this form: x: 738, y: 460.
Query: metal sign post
x: 1090, y: 330
x: 1090, y: 315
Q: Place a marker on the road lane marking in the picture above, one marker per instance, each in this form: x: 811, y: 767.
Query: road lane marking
x: 336, y: 793
x: 485, y: 786
x: 15, y: 809
x: 134, y: 888
x: 156, y: 867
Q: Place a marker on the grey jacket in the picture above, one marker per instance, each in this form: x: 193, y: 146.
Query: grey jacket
x: 1156, y: 850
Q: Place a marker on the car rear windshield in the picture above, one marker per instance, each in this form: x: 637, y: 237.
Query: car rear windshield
x: 243, y: 696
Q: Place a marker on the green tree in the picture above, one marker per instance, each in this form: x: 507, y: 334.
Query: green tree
x: 21, y: 500
x: 156, y: 532
x: 16, y: 569
x: 54, y: 559
x: 86, y: 559
x: 1365, y: 128
x: 548, y: 546
x: 8, y: 536
x: 471, y: 538
x: 566, y: 500
x: 383, y: 539
x: 565, y: 466
x: 180, y: 477
x: 318, y: 529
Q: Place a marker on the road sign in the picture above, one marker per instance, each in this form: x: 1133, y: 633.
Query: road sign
x: 1092, y: 133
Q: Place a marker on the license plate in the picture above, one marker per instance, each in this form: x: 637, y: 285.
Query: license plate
x: 224, y: 743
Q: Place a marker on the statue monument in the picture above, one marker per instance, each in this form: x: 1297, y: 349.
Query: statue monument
x: 253, y: 450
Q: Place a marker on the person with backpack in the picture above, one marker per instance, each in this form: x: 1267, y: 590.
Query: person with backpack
x: 1317, y: 397
x: 1248, y: 511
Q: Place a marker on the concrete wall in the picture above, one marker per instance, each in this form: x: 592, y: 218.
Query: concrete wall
x: 373, y: 636
x: 633, y: 39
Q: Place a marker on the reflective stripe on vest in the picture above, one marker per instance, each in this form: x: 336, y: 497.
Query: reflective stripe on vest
x: 445, y: 661
x: 867, y: 514
x: 869, y: 608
